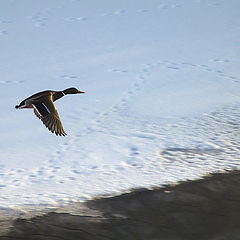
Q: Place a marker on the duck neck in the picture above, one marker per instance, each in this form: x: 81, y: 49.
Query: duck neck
x: 58, y: 95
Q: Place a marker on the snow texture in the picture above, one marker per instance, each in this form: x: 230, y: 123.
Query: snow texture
x: 162, y: 83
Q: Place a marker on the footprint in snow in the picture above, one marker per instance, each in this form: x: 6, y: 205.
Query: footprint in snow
x: 3, y: 32
x: 219, y: 60
x: 116, y: 70
x: 133, y: 151
x: 77, y: 19
x: 11, y: 82
x: 69, y: 77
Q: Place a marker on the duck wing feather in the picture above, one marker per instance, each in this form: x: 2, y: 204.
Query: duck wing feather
x: 46, y: 111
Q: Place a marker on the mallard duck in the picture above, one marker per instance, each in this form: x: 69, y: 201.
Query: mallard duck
x: 45, y: 110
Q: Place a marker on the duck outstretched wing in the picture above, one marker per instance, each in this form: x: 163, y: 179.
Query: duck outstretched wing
x: 46, y: 111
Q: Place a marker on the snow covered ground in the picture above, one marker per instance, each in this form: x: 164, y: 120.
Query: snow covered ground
x: 162, y: 82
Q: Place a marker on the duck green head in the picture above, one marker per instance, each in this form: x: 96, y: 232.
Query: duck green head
x: 72, y: 91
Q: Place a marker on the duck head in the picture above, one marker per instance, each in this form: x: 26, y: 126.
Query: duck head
x: 72, y: 91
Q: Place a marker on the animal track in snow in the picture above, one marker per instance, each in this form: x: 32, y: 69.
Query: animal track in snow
x: 219, y: 60
x: 208, y: 3
x: 3, y: 26
x: 119, y: 12
x: 77, y: 19
x: 169, y: 6
x: 41, y: 18
x: 2, y: 22
x: 118, y: 70
x: 116, y: 12
x: 133, y: 151
x: 204, y: 67
x: 143, y: 76
x: 3, y: 32
x: 212, y: 148
x: 11, y: 82
x: 65, y: 76
x: 38, y: 21
x: 143, y: 11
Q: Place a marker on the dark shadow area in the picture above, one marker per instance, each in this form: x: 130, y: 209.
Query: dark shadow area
x: 208, y: 208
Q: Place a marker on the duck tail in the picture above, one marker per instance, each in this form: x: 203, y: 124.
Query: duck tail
x: 17, y: 106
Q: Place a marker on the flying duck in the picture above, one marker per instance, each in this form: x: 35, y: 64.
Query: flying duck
x: 45, y: 110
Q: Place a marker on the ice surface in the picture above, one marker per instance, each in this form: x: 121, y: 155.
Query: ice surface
x: 162, y: 85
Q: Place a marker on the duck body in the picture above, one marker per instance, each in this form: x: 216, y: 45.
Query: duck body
x: 45, y: 110
x: 27, y: 103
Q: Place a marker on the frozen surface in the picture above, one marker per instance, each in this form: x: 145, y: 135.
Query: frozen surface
x: 162, y: 83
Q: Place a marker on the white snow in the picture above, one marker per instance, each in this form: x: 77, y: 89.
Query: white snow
x: 162, y: 83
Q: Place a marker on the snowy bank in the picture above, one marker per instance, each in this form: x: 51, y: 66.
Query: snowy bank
x: 203, y: 209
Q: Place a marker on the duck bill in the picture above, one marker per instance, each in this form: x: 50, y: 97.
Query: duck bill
x: 80, y: 91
